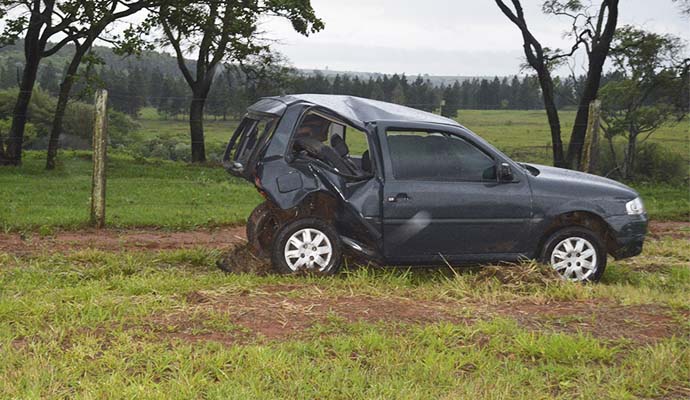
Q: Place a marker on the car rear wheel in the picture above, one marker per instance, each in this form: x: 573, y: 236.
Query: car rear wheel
x: 261, y: 225
x: 576, y: 253
x: 310, y: 245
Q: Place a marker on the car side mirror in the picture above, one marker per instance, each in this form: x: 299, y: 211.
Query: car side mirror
x: 505, y: 173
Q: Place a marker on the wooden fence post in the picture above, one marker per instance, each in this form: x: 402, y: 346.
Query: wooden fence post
x: 589, y: 153
x: 100, y: 142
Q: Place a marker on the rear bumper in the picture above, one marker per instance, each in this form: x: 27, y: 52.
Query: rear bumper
x: 629, y: 233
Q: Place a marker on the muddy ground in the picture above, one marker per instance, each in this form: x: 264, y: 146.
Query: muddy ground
x: 220, y: 238
x: 120, y: 239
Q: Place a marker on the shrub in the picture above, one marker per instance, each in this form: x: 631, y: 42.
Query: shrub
x: 77, y: 126
x: 182, y: 152
x: 653, y: 163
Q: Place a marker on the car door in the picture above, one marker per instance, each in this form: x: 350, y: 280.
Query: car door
x: 247, y: 143
x: 442, y: 198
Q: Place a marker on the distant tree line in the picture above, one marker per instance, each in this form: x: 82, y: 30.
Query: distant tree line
x: 143, y: 84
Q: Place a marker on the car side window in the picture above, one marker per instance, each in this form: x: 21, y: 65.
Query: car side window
x: 440, y: 156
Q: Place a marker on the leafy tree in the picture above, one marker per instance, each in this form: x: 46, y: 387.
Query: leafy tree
x: 49, y: 78
x: 398, y: 94
x: 644, y: 97
x: 683, y: 6
x: 218, y: 31
x: 376, y: 89
x: 452, y: 96
x: 8, y: 78
x: 136, y: 92
x: 37, y: 22
x: 93, y: 18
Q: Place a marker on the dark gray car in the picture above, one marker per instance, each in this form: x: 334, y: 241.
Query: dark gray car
x: 399, y: 186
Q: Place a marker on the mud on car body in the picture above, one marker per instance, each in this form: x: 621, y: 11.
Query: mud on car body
x: 399, y: 186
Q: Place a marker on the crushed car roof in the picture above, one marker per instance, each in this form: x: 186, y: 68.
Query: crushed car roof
x: 356, y: 110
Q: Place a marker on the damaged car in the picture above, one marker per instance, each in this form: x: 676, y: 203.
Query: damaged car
x: 398, y: 186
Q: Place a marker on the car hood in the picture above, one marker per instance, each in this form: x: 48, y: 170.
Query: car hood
x: 580, y: 183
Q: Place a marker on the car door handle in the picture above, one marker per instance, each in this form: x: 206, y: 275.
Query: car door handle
x: 398, y: 197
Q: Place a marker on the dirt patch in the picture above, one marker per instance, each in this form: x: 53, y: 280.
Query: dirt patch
x: 117, y: 240
x: 639, y: 323
x: 672, y: 229
x: 242, y: 260
x: 272, y: 313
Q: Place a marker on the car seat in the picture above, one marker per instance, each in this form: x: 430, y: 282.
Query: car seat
x: 324, y: 153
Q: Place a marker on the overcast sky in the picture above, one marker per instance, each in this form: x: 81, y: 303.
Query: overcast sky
x: 440, y: 37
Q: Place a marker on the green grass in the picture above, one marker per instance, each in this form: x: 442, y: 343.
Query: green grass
x: 666, y: 202
x: 216, y: 131
x: 122, y: 325
x: 139, y: 193
x: 525, y: 135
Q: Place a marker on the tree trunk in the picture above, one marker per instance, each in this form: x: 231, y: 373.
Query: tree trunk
x: 21, y: 106
x: 196, y: 127
x: 629, y: 159
x: 63, y: 98
x: 546, y: 84
x: 577, y: 137
x: 597, y: 58
x: 614, y: 156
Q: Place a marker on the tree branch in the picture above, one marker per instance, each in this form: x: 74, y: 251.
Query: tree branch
x: 175, y: 43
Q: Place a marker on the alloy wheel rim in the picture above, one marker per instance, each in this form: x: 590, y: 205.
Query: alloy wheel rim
x: 308, y: 249
x: 574, y: 258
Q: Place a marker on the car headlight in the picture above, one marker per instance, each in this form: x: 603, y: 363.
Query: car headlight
x: 635, y: 207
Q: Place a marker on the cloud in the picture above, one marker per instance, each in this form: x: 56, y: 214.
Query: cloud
x: 439, y: 37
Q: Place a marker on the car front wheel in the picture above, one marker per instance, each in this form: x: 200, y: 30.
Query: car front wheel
x: 310, y: 245
x: 576, y: 253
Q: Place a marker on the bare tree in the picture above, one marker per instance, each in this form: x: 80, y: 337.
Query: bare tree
x: 591, y: 31
x: 539, y: 59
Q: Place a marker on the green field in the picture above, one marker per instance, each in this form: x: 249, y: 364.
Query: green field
x: 170, y: 325
x: 525, y: 135
x: 158, y: 193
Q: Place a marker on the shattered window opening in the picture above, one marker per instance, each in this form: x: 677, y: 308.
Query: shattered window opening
x: 255, y: 132
x: 335, y: 142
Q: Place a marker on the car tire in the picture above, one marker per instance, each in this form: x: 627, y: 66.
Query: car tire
x: 576, y: 253
x: 261, y: 226
x: 307, y: 245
